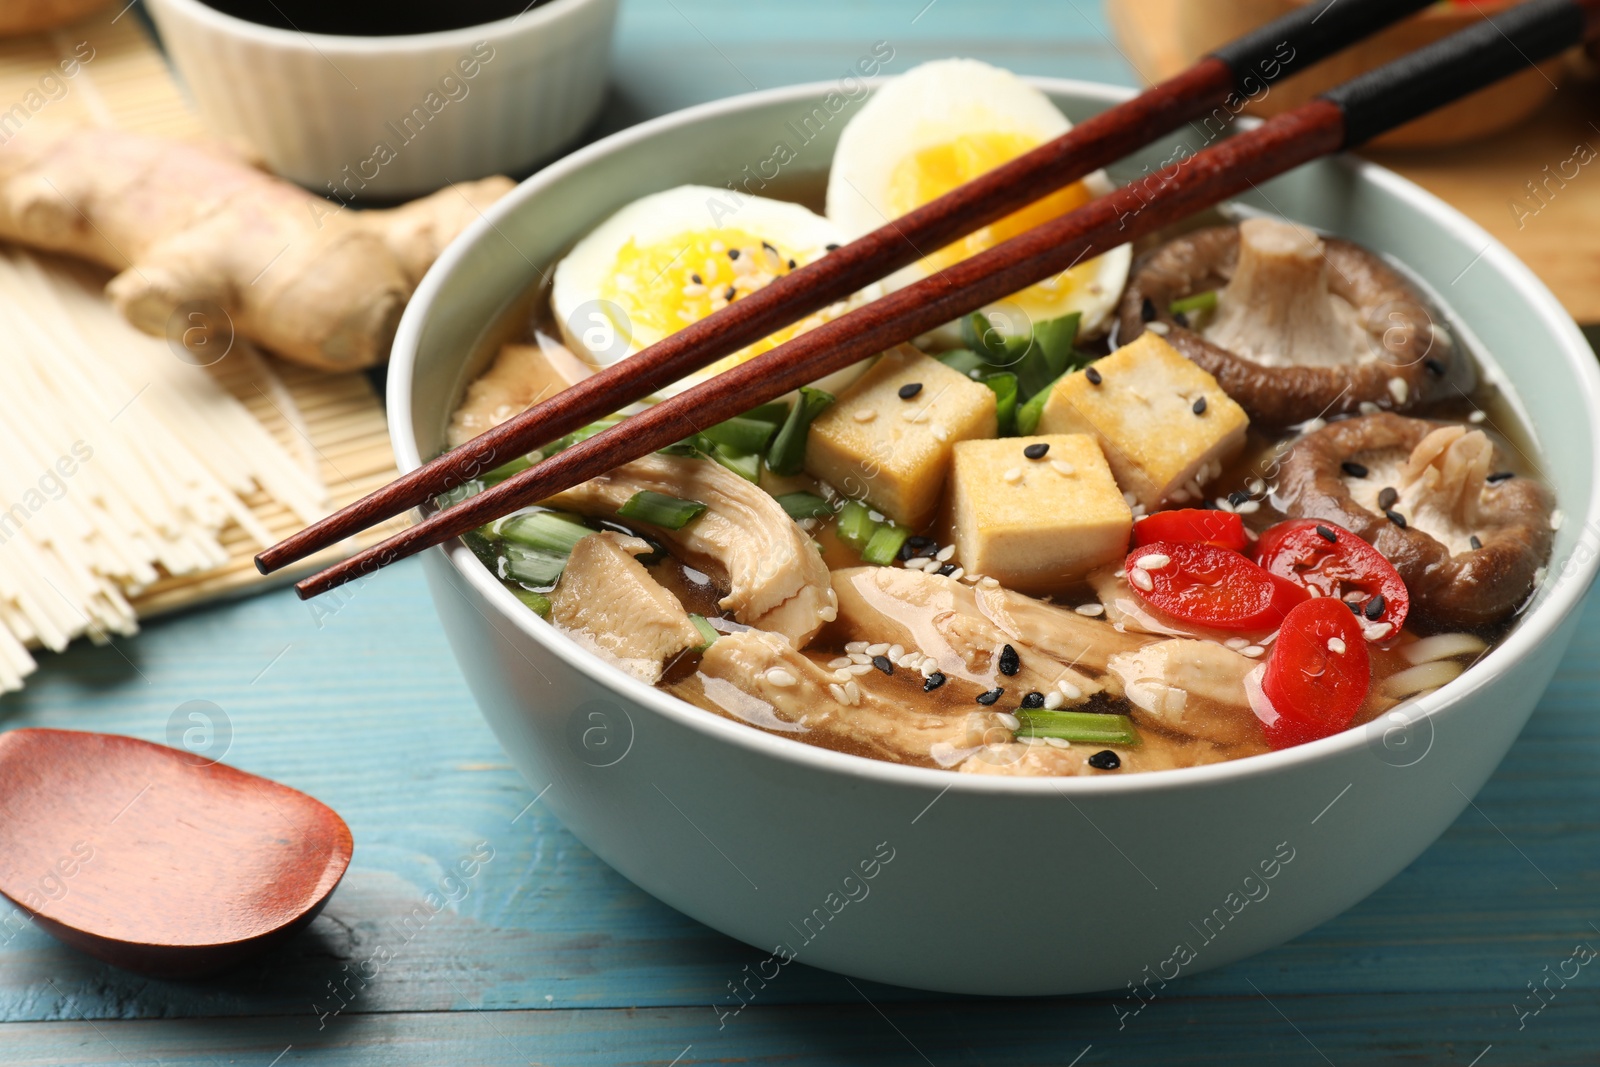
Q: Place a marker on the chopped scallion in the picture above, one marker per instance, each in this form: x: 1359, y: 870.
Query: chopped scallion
x: 855, y: 527
x: 742, y: 434
x: 1206, y: 301
x: 1004, y: 385
x: 532, y: 567
x: 746, y: 465
x: 1028, y: 414
x: 1087, y: 727
x: 805, y: 506
x: 506, y: 470
x: 884, y: 545
x: 788, y: 452
x: 546, y: 531
x: 658, y: 509
x: 964, y: 360
x: 537, y: 601
x: 708, y: 633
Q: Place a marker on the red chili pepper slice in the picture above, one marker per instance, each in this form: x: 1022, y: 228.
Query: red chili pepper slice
x: 1210, y: 586
x: 1221, y: 528
x: 1318, y: 676
x: 1338, y: 564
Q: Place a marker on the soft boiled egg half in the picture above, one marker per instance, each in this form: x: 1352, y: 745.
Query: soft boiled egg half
x: 940, y: 125
x: 672, y: 258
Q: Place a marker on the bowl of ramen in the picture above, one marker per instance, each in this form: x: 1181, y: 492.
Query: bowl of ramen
x: 1202, y: 583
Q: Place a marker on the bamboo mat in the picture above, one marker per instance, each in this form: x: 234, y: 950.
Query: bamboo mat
x: 1502, y: 182
x: 333, y: 423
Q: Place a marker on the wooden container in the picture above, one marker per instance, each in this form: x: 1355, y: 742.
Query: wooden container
x: 1201, y: 25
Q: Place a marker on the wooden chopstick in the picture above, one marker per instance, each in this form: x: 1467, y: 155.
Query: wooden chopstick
x: 1348, y: 115
x: 1218, y: 83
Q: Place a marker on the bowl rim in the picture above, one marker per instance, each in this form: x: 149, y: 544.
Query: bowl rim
x: 354, y: 45
x: 1550, y: 607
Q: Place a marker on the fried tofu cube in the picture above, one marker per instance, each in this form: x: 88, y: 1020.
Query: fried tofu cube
x: 893, y: 450
x: 1037, y: 525
x: 1147, y: 414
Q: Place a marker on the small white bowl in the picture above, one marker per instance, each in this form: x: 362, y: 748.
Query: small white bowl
x: 391, y: 117
x: 960, y: 882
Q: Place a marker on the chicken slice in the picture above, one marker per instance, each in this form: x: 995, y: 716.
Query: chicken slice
x: 1194, y: 688
x: 608, y: 603
x: 777, y: 580
x: 1153, y: 753
x: 759, y: 678
x: 521, y: 376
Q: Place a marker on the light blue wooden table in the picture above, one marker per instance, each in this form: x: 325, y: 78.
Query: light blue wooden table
x: 549, y: 957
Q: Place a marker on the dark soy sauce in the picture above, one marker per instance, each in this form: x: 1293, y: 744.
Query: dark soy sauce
x: 371, y: 18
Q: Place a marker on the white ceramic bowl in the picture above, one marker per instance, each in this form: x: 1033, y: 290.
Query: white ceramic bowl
x: 390, y: 117
x: 1003, y: 886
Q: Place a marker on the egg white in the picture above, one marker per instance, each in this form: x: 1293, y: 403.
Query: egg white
x: 933, y: 105
x: 605, y: 313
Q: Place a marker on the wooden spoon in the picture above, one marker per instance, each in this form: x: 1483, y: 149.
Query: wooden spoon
x: 141, y: 856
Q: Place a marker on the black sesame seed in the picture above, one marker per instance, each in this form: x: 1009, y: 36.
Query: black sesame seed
x: 1435, y: 367
x: 1093, y: 376
x: 991, y: 696
x: 1474, y: 541
x: 1033, y: 700
x: 729, y: 293
x: 1010, y: 662
x: 1147, y: 310
x: 1105, y: 760
x: 769, y: 248
x: 1199, y: 406
x: 1387, y: 496
x: 1181, y: 319
x: 909, y: 390
x: 1325, y: 533
x: 1036, y: 450
x: 696, y: 279
x: 1354, y: 470
x: 791, y: 264
x: 932, y: 682
x: 1354, y: 606
x: 883, y: 664
x: 733, y: 253
x: 830, y: 248
x: 1501, y: 476
x: 1395, y: 517
x: 1237, y: 497
x: 1374, y: 609
x: 920, y: 542
x: 948, y: 569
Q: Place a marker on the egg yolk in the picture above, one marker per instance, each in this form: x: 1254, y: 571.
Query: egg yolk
x: 666, y: 285
x: 931, y: 172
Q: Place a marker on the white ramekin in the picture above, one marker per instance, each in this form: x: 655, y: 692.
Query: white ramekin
x: 389, y: 117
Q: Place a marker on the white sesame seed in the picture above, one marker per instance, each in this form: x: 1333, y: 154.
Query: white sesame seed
x: 842, y: 661
x: 1153, y: 562
x: 915, y: 563
x: 1376, y: 631
x: 1141, y: 579
x: 1256, y: 486
x: 1052, y: 701
x: 878, y: 649
x: 944, y: 554
x: 894, y: 652
x: 1539, y: 575
x: 1557, y: 517
x: 861, y: 668
x: 865, y: 414
x: 941, y: 434
x: 956, y: 574
x: 1090, y: 610
x: 1014, y: 475
x: 1130, y: 499
x: 910, y: 414
x: 828, y: 613
x: 1008, y: 720
x: 1477, y: 416
x: 1253, y: 651
x: 1179, y: 496
x: 842, y: 675
x: 853, y: 691
x: 1063, y: 468
x: 694, y: 290
x: 1223, y: 504
x: 1160, y: 329
x: 781, y: 678
x: 1068, y: 690
x: 1236, y: 643
x: 1249, y: 507
x: 910, y: 661
x: 929, y: 667
x: 1336, y: 646
x: 988, y: 583
x: 1399, y: 390
x: 1057, y: 742
x: 856, y: 646
x: 837, y: 693
x: 860, y: 657
x: 1367, y: 407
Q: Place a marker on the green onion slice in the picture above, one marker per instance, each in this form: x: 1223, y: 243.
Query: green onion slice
x: 1087, y: 727
x: 855, y: 527
x: 708, y: 633
x: 658, y: 509
x: 746, y: 465
x: 805, y: 506
x: 547, y: 531
x: 1004, y: 385
x: 537, y: 601
x: 788, y: 452
x: 532, y: 567
x: 743, y: 434
x: 884, y: 545
x: 1206, y: 301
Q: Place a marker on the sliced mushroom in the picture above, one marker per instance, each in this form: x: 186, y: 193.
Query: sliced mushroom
x: 1445, y: 497
x: 607, y: 602
x: 759, y: 678
x: 1304, y: 326
x: 776, y: 575
x: 1192, y: 688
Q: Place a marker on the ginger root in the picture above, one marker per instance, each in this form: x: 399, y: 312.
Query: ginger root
x: 193, y: 225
